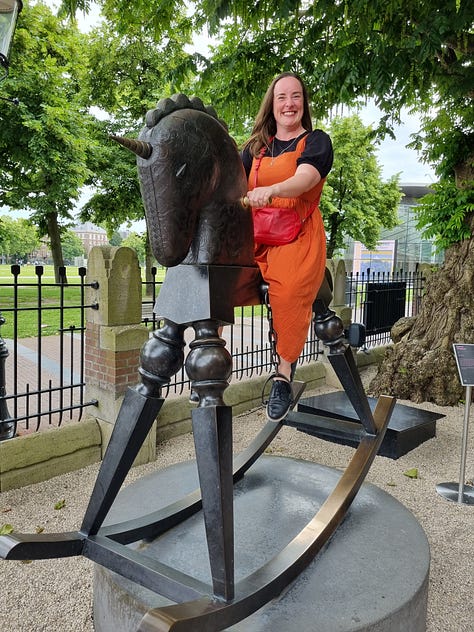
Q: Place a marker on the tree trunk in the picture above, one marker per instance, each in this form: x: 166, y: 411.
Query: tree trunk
x: 55, y: 245
x: 335, y: 221
x: 421, y: 366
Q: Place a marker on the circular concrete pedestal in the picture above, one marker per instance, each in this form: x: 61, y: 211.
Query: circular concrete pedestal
x: 372, y: 575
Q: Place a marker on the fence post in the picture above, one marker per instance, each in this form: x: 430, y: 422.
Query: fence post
x: 114, y: 336
x: 337, y: 268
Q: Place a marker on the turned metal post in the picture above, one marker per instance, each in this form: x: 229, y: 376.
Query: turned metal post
x: 7, y: 424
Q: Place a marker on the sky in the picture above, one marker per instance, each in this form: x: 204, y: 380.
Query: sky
x: 393, y: 155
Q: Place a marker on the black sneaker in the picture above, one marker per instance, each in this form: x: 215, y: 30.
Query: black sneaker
x: 280, y: 400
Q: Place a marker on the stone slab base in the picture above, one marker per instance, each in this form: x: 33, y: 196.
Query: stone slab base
x: 371, y: 576
x: 408, y: 427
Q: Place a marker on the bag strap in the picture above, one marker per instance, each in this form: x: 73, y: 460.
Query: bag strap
x: 312, y: 208
x: 259, y: 162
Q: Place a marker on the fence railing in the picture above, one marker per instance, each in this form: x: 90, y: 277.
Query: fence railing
x: 378, y: 300
x: 247, y: 340
x: 44, y: 374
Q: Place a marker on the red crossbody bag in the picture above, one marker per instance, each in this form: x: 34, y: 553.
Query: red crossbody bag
x: 274, y: 226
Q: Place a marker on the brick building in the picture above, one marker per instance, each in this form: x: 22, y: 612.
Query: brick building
x: 90, y: 235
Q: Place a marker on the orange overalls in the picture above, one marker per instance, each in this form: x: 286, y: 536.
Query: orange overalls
x: 294, y: 271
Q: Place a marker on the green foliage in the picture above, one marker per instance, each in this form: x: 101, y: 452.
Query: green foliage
x: 393, y: 50
x: 137, y: 242
x: 6, y: 529
x: 130, y: 69
x: 356, y: 202
x: 400, y: 52
x: 71, y: 7
x: 18, y: 238
x: 447, y: 137
x: 161, y: 18
x: 408, y: 53
x: 116, y: 198
x: 129, y: 73
x: 444, y: 214
x: 116, y: 239
x: 234, y: 80
x: 45, y: 142
x: 72, y: 246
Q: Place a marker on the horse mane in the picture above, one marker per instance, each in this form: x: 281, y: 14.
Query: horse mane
x: 179, y: 102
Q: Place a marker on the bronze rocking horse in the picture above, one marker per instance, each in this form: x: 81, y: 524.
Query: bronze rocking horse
x: 192, y: 181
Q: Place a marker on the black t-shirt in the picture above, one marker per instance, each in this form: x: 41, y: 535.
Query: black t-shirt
x: 318, y: 152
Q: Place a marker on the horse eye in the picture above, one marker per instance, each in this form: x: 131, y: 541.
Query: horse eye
x: 181, y: 170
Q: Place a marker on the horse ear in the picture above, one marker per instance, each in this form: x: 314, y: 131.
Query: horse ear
x: 139, y: 147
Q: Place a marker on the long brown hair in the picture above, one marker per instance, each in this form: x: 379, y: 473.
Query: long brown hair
x: 265, y: 125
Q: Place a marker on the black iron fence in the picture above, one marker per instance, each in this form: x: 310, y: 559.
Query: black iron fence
x: 247, y: 340
x: 378, y: 300
x: 42, y: 375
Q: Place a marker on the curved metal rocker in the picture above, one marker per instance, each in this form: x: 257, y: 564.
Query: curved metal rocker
x: 201, y: 610
x: 20, y: 546
x: 196, y: 219
x: 208, y: 615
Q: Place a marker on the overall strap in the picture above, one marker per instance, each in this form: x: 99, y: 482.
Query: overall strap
x: 259, y: 161
x: 312, y: 206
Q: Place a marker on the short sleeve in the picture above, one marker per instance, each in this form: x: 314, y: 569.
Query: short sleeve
x: 247, y: 160
x: 318, y: 152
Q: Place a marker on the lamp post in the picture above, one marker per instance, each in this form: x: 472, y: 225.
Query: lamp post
x: 7, y: 424
x: 9, y: 10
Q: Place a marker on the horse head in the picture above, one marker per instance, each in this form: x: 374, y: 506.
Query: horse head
x: 192, y: 182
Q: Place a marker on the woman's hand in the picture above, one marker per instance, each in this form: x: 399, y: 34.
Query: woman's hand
x: 259, y: 197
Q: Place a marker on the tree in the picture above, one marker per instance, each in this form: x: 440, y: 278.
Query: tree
x: 412, y: 53
x: 18, y: 238
x: 72, y: 246
x: 116, y: 239
x: 401, y: 52
x: 137, y: 242
x: 129, y: 72
x: 355, y: 202
x: 45, y: 141
x: 116, y: 198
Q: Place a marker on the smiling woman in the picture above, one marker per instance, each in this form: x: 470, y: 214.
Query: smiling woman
x: 286, y: 163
